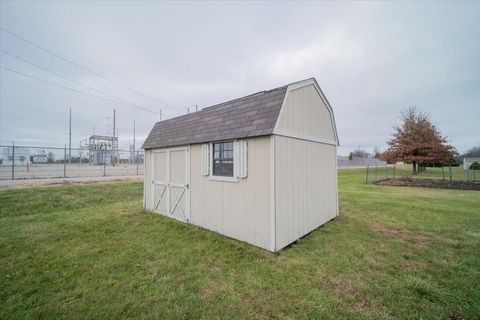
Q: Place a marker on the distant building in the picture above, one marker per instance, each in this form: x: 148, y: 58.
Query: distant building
x: 20, y: 157
x: 467, y: 162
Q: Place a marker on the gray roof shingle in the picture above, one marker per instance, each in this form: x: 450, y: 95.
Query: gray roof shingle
x: 250, y: 116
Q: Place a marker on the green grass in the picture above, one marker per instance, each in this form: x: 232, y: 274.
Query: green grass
x: 90, y: 251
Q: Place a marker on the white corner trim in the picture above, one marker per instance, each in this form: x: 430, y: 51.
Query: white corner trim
x: 144, y: 182
x: 336, y: 183
x: 289, y: 134
x: 273, y: 222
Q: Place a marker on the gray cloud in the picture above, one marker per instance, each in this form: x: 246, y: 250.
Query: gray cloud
x: 371, y: 59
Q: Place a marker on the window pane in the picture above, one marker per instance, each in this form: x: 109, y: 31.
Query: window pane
x: 223, y: 159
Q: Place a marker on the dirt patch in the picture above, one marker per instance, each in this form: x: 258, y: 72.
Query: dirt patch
x: 364, y: 304
x: 419, y: 239
x: 402, y: 234
x: 430, y: 183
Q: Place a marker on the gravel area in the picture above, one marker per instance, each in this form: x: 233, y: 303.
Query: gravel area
x: 25, y: 183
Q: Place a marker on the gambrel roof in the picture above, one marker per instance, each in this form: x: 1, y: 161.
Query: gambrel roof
x: 249, y: 116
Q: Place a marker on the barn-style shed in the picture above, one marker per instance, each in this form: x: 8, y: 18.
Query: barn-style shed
x: 261, y: 169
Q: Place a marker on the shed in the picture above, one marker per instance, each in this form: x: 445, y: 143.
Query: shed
x: 261, y: 168
x: 467, y: 162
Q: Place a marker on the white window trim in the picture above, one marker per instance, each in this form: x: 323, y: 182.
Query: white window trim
x: 235, y: 164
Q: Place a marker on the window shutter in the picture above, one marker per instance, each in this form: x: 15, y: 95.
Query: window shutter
x: 206, y: 159
x: 242, y: 159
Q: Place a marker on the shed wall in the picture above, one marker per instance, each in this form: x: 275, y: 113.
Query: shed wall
x: 305, y: 187
x: 147, y: 180
x: 240, y: 210
x: 305, y: 113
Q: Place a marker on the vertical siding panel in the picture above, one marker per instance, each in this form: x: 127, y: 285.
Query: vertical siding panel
x: 305, y: 187
x: 240, y: 210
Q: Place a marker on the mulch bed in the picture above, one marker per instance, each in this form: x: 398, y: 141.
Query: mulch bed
x: 431, y: 183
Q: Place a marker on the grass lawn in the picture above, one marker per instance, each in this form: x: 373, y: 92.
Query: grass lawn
x: 90, y: 251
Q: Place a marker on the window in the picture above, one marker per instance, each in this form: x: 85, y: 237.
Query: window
x: 223, y: 159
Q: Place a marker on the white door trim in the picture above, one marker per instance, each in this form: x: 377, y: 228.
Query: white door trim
x: 167, y: 192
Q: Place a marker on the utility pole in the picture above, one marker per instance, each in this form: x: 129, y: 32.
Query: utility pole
x: 160, y: 114
x: 188, y: 109
x: 134, y: 157
x: 70, y: 139
x: 196, y: 107
x: 113, y: 140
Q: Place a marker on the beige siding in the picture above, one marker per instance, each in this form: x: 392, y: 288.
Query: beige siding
x: 305, y: 187
x: 240, y: 210
x: 305, y: 113
x: 147, y: 181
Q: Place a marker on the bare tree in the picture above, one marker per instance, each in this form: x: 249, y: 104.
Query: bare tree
x: 377, y: 152
x: 50, y: 157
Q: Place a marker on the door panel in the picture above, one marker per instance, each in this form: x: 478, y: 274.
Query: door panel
x: 171, y: 183
x: 160, y: 182
x: 177, y: 166
x: 160, y: 160
x: 178, y: 184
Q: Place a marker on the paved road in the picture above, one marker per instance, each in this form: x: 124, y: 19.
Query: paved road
x: 56, y: 170
x: 7, y: 184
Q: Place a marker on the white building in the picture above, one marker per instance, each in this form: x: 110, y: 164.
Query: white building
x: 467, y: 162
x: 261, y: 169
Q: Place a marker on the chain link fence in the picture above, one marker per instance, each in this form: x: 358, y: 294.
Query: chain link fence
x: 446, y: 173
x: 358, y: 162
x: 29, y: 162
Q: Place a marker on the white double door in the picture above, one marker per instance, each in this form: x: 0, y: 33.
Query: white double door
x: 171, y: 183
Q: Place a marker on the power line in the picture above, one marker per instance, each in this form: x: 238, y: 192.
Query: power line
x: 41, y: 119
x: 88, y: 70
x: 26, y: 19
x: 72, y: 89
x: 68, y: 79
x: 2, y: 106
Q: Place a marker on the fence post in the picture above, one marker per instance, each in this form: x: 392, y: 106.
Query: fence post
x: 366, y: 179
x: 450, y: 171
x: 104, y: 163
x: 65, y: 162
x: 386, y: 175
x: 376, y: 173
x: 443, y: 173
x: 394, y: 169
x: 13, y: 160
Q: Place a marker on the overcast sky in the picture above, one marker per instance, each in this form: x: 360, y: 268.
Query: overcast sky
x: 371, y: 59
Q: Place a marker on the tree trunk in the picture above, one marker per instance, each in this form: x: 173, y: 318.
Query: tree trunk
x: 414, y: 168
